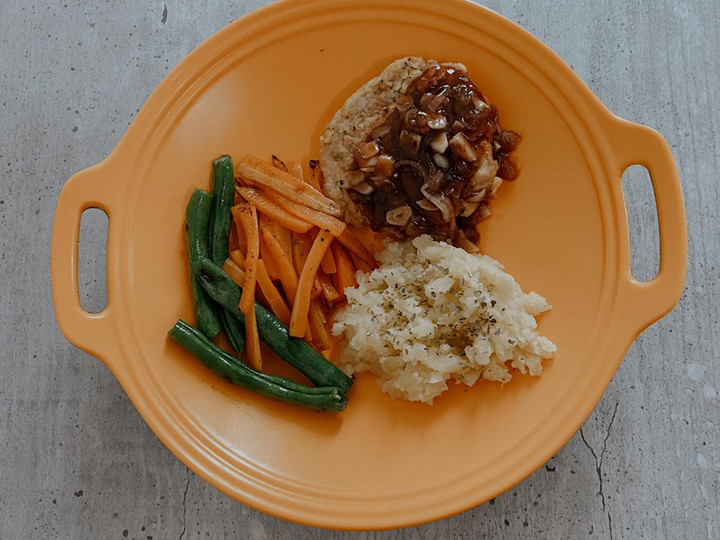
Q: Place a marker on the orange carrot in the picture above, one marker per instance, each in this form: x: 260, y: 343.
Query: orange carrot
x: 283, y: 236
x: 329, y: 291
x: 345, y: 276
x: 307, y: 214
x: 300, y: 247
x: 301, y: 306
x: 240, y: 233
x: 234, y: 271
x: 271, y: 264
x: 272, y: 295
x: 271, y: 209
x: 360, y: 263
x: 315, y: 179
x: 328, y: 263
x: 238, y: 258
x: 252, y: 339
x: 288, y: 275
x: 352, y: 243
x: 263, y: 173
x: 320, y: 334
x: 247, y: 215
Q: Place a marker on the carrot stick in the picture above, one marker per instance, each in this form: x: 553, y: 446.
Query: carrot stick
x: 305, y: 213
x: 320, y: 334
x: 352, y: 243
x: 240, y: 233
x: 262, y: 172
x: 272, y: 295
x: 360, y: 264
x: 238, y: 258
x: 329, y: 291
x: 271, y: 263
x: 271, y: 209
x: 234, y: 271
x: 247, y: 215
x: 300, y: 248
x: 345, y: 276
x: 328, y: 263
x: 252, y: 339
x: 315, y: 179
x: 301, y: 306
x: 283, y: 236
x: 288, y: 275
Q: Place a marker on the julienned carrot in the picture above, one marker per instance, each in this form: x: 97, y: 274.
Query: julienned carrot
x: 320, y: 334
x: 283, y: 237
x: 301, y: 244
x: 301, y: 306
x: 288, y: 276
x: 247, y: 215
x: 252, y: 339
x: 271, y: 263
x: 239, y: 232
x: 315, y: 179
x: 238, y: 257
x: 345, y: 276
x: 328, y: 289
x: 273, y: 210
x: 232, y: 269
x: 328, y: 263
x: 262, y: 172
x: 272, y: 295
x: 300, y: 247
x: 352, y: 243
x: 360, y: 263
x: 311, y: 215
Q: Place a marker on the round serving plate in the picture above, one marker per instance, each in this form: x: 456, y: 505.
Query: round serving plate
x: 268, y: 84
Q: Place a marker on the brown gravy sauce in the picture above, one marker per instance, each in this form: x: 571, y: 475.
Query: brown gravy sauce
x: 434, y: 161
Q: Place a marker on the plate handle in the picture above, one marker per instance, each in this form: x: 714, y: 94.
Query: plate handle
x: 94, y: 187
x: 646, y: 302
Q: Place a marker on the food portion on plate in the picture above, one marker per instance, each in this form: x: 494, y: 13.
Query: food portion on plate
x: 432, y: 312
x: 413, y: 157
x: 233, y: 281
x: 418, y: 150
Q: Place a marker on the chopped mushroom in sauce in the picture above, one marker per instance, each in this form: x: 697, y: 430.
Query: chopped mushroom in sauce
x: 434, y: 161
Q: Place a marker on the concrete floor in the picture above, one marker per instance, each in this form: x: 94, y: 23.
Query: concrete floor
x: 77, y: 460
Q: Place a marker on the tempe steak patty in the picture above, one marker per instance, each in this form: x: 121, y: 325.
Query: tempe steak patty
x: 417, y: 150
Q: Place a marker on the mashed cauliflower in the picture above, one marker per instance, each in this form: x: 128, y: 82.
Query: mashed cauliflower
x: 432, y: 312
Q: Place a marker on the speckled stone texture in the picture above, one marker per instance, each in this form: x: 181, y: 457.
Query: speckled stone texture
x: 77, y: 460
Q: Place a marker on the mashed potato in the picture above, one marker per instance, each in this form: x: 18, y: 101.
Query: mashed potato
x: 432, y: 312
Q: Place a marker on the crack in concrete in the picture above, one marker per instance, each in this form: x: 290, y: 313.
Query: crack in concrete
x: 184, y: 514
x: 599, y: 462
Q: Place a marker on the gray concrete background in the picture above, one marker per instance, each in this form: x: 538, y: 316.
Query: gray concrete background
x: 77, y: 460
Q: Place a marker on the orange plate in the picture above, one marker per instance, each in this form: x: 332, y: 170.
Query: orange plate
x: 268, y: 83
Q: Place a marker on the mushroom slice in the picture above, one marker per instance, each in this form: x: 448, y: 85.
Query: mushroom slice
x: 460, y: 145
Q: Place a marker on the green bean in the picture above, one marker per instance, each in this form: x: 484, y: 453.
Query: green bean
x: 232, y: 370
x: 223, y: 198
x: 223, y: 175
x: 197, y: 216
x: 273, y: 332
